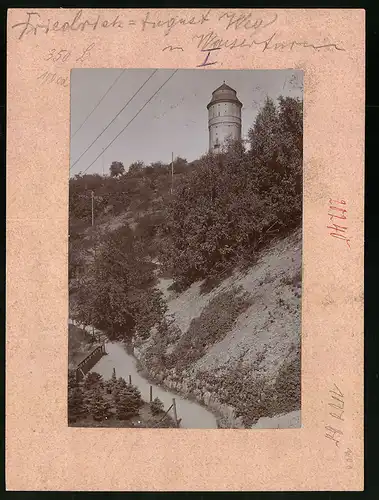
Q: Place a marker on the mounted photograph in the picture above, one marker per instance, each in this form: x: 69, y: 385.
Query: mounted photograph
x: 185, y: 248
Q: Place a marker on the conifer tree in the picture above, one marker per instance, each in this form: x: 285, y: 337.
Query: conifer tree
x: 93, y: 379
x: 135, y: 395
x: 127, y: 404
x: 76, y: 405
x: 111, y: 383
x: 119, y: 386
x: 156, y: 406
x: 72, y: 382
x: 98, y: 406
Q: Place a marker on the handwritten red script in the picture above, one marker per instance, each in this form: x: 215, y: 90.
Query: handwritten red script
x: 338, y: 211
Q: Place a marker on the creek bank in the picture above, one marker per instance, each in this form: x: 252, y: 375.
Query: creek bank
x: 192, y: 390
x: 192, y: 415
x: 223, y: 416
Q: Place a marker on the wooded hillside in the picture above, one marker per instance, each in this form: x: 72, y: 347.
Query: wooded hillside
x: 223, y: 210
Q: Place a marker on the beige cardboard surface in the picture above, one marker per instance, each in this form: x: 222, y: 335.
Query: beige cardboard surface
x: 42, y: 452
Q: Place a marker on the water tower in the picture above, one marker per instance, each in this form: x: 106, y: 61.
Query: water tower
x: 224, y: 117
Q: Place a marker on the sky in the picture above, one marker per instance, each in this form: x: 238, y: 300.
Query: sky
x: 174, y: 121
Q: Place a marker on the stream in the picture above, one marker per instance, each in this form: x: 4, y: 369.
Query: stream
x: 193, y: 415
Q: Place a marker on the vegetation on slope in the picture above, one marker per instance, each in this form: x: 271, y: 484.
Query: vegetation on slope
x: 225, y: 207
x: 117, y: 293
x: 238, y: 346
x: 209, y: 328
x: 232, y: 204
x: 224, y: 210
x: 254, y: 395
x: 113, y: 403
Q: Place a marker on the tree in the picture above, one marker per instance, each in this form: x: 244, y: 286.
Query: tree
x: 119, y: 387
x: 276, y: 144
x: 98, y: 406
x: 112, y: 382
x: 128, y: 402
x: 75, y: 258
x: 120, y: 294
x: 232, y: 203
x: 72, y: 381
x: 93, y: 379
x: 136, y: 168
x: 76, y: 406
x: 135, y: 395
x: 116, y: 169
x: 156, y: 406
x: 180, y: 165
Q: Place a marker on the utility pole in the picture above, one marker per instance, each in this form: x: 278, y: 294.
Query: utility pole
x: 172, y: 172
x: 175, y: 414
x: 102, y: 163
x: 92, y: 199
x: 94, y: 236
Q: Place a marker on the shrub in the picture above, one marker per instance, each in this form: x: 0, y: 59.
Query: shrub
x: 249, y: 393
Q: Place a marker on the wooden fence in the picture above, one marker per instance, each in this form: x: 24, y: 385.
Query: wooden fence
x: 89, y: 361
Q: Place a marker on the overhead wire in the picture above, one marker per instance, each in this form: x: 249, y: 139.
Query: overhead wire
x: 127, y: 125
x: 101, y: 100
x: 110, y: 123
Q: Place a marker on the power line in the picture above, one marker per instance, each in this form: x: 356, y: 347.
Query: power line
x: 98, y: 104
x: 110, y: 123
x: 127, y: 125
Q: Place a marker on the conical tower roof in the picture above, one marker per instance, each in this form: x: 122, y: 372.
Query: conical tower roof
x: 224, y: 93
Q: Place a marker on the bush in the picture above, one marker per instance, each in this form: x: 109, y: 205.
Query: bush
x: 156, y: 406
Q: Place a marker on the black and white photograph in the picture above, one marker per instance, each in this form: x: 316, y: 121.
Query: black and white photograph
x: 185, y: 248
